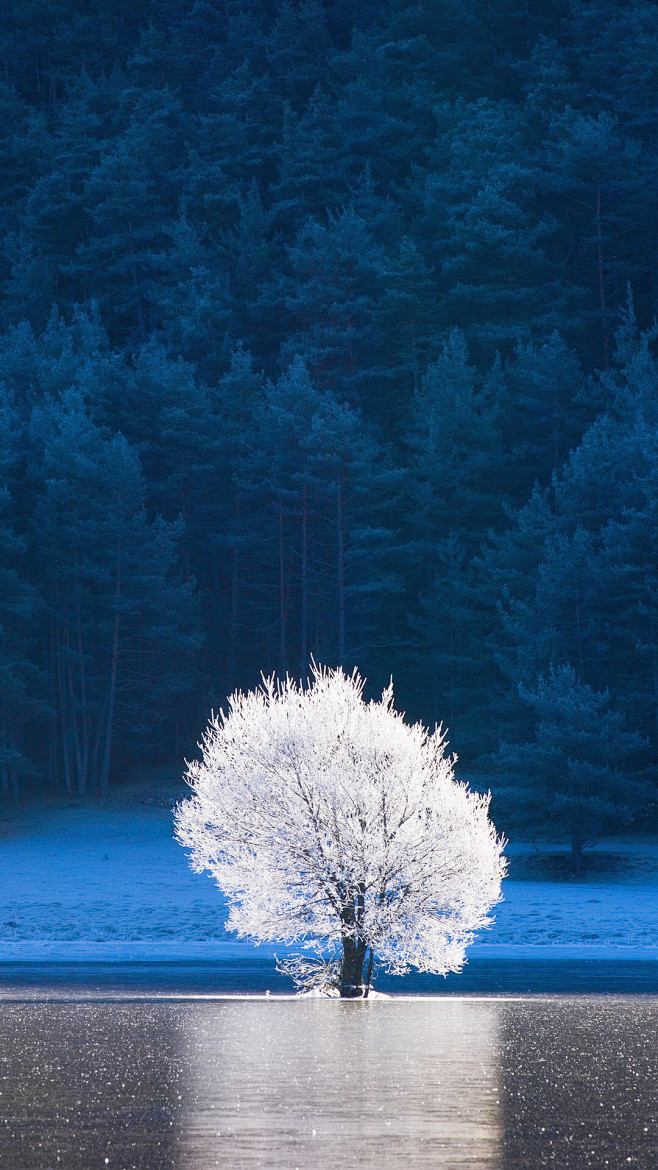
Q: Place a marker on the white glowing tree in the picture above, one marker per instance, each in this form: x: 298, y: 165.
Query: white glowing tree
x: 330, y: 822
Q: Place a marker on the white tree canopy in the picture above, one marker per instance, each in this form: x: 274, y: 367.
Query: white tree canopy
x: 323, y: 818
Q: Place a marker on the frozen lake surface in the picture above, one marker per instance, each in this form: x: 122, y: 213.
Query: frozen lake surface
x: 492, y: 1084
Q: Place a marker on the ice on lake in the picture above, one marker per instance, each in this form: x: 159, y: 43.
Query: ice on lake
x: 510, y: 1084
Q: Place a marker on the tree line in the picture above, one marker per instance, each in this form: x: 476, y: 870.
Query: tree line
x: 327, y: 331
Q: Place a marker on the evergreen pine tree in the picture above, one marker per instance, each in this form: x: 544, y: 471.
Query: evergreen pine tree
x: 117, y: 616
x: 572, y: 776
x: 319, y: 491
x: 21, y: 684
x: 544, y: 411
x: 337, y: 278
x: 455, y: 488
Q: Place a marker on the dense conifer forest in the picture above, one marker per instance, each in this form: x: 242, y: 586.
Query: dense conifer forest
x: 327, y: 329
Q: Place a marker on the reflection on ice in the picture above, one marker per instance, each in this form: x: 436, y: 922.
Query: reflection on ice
x: 329, y: 1083
x: 451, y: 1084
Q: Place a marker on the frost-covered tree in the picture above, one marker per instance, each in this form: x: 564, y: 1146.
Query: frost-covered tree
x: 329, y: 821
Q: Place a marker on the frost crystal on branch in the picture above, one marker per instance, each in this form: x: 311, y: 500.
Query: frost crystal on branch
x: 330, y: 822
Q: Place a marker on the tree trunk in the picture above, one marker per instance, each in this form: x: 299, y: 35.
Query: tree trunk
x: 577, y: 856
x: 368, y: 975
x: 104, y: 778
x: 354, y: 948
x: 76, y: 747
x: 351, y: 975
x: 60, y: 706
x: 83, y: 760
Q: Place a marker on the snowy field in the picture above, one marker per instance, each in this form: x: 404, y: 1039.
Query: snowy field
x: 109, y: 882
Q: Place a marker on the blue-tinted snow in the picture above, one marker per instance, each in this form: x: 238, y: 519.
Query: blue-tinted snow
x: 110, y: 882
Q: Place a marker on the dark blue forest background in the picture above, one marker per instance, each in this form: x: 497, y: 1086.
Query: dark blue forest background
x: 327, y: 329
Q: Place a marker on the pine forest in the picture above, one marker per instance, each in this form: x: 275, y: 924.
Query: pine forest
x: 328, y: 333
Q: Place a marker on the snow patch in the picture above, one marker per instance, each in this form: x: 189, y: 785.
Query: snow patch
x: 111, y: 884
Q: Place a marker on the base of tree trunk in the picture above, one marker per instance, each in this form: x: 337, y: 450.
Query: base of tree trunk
x: 577, y: 860
x: 352, y: 990
x: 351, y: 984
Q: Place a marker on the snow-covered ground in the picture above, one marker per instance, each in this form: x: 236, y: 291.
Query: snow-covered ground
x: 110, y: 882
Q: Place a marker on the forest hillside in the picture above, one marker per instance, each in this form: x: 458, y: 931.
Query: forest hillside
x: 327, y: 329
